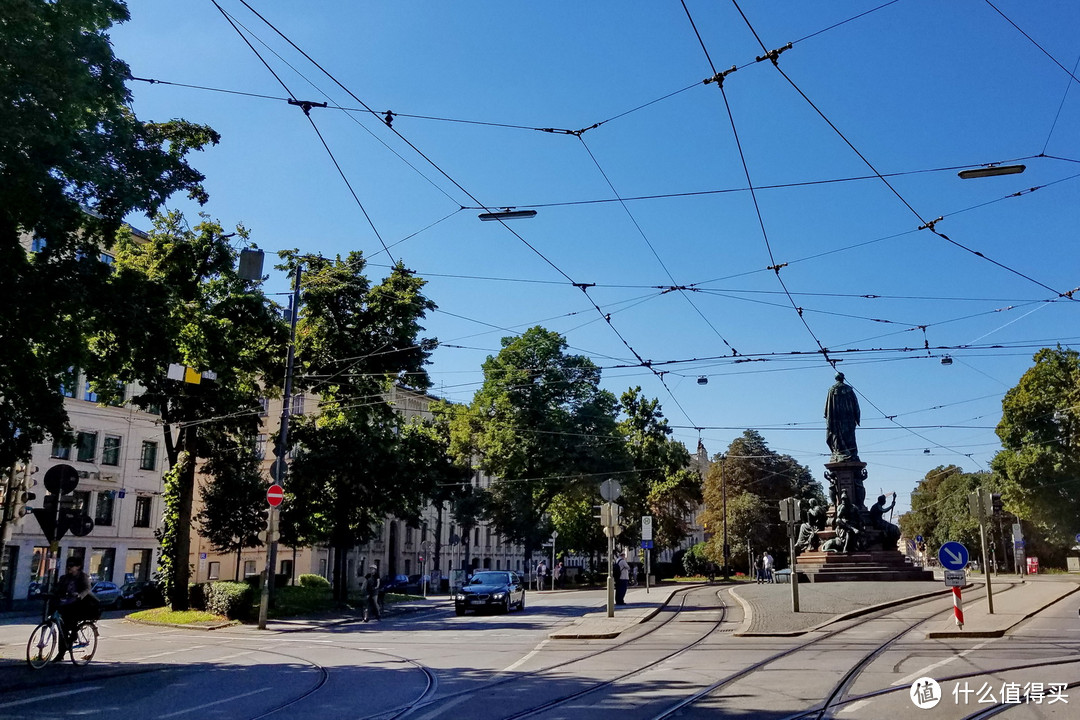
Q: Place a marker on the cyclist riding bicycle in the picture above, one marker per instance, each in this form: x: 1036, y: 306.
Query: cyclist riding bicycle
x: 73, y: 600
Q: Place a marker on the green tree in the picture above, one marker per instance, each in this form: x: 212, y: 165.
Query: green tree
x: 663, y: 485
x: 1040, y: 436
x: 191, y: 308
x: 926, y: 505
x: 69, y: 144
x: 234, y: 508
x: 356, y: 340
x: 756, y: 479
x: 539, y: 425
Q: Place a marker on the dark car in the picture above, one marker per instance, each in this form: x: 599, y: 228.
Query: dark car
x: 107, y: 593
x: 491, y: 590
x: 141, y: 593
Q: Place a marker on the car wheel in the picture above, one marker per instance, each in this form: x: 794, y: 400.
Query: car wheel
x: 506, y: 605
x: 521, y: 605
x: 458, y: 610
x: 137, y: 602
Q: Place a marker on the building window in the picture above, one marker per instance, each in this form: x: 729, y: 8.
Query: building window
x: 142, y: 511
x: 60, y: 450
x: 215, y: 570
x: 110, y: 451
x: 148, y: 458
x: 69, y: 382
x: 104, y: 513
x: 81, y: 501
x: 264, y: 403
x: 86, y: 442
x: 249, y: 568
x: 107, y: 259
x: 90, y: 395
x: 286, y: 569
x: 476, y: 537
x: 260, y: 446
x: 298, y: 405
x: 408, y: 537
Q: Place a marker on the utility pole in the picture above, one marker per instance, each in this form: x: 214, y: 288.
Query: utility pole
x: 723, y: 494
x: 280, y: 467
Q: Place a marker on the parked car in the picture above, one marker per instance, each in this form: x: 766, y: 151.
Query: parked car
x: 107, y: 593
x: 395, y: 584
x: 491, y: 590
x: 141, y: 593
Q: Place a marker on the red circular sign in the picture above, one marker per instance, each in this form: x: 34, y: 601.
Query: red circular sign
x: 274, y: 495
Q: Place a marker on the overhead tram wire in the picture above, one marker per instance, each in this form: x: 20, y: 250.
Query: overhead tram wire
x: 773, y: 56
x: 652, y: 248
x: 306, y: 107
x: 582, y: 286
x: 1032, y: 40
x: 774, y: 265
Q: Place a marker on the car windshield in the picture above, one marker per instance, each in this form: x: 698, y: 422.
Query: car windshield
x: 490, y: 578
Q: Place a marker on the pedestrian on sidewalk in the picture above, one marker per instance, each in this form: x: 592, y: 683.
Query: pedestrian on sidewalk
x: 622, y: 579
x: 767, y: 565
x: 541, y: 573
x: 556, y: 575
x: 371, y: 589
x: 759, y: 569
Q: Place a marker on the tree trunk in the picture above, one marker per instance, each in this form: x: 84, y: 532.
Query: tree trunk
x: 186, y: 492
x: 236, y: 575
x: 435, y: 559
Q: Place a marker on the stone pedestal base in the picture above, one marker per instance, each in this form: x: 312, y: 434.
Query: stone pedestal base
x: 870, y: 566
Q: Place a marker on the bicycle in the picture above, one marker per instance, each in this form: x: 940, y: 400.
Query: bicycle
x: 41, y: 648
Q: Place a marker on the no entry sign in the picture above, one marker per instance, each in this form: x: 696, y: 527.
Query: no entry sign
x: 274, y: 495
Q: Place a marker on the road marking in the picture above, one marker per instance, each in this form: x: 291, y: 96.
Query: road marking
x: 167, y: 652
x: 212, y: 704
x: 926, y: 670
x: 230, y: 657
x: 522, y: 661
x: 50, y: 696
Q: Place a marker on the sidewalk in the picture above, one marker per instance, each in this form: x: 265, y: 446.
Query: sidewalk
x: 641, y: 605
x: 1011, y: 608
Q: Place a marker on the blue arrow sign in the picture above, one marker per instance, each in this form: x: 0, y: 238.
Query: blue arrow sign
x: 918, y: 538
x: 1078, y: 537
x: 953, y: 556
x: 646, y: 544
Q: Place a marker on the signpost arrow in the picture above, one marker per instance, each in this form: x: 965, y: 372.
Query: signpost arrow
x: 953, y: 556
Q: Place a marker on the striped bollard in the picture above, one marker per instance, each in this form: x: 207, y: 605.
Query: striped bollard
x: 958, y: 608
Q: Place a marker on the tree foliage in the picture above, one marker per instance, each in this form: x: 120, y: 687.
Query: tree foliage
x: 756, y: 478
x: 355, y: 464
x: 189, y: 307
x: 234, y: 510
x: 74, y: 161
x: 1040, y: 435
x: 540, y: 425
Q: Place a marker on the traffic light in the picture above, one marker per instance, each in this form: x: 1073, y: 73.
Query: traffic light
x: 21, y: 498
x: 996, y: 504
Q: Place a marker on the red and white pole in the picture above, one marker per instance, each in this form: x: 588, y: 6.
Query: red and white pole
x: 958, y: 608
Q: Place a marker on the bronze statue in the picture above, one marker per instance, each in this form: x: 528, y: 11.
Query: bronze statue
x: 841, y: 418
x: 890, y: 534
x: 847, y: 524
x: 808, y: 531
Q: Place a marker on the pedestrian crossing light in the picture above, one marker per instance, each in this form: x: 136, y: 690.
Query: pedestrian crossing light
x: 996, y: 504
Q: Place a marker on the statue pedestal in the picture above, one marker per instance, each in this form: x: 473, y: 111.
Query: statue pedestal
x: 869, y: 566
x: 848, y: 476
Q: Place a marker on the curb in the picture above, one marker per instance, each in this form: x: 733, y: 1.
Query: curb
x: 997, y: 633
x: 609, y: 634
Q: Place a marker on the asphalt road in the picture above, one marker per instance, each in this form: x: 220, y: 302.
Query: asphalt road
x: 684, y: 662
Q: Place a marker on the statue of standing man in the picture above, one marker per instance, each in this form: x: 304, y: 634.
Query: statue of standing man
x: 841, y: 418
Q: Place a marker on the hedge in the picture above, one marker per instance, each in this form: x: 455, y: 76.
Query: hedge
x: 231, y: 599
x: 313, y: 581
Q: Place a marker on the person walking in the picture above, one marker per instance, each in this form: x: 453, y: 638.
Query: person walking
x: 622, y: 579
x: 371, y: 589
x: 767, y: 566
x: 541, y: 573
x: 759, y: 569
x: 556, y: 575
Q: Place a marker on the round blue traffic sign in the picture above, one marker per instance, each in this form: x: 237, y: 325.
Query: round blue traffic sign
x: 919, y: 538
x: 953, y: 556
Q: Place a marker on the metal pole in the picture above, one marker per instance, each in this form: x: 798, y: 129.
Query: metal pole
x: 723, y: 493
x: 553, y: 563
x: 982, y: 540
x: 282, y: 449
x: 610, y: 575
x: 794, y: 570
x: 648, y: 568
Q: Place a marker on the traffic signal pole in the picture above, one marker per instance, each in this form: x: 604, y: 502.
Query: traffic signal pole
x: 983, y: 501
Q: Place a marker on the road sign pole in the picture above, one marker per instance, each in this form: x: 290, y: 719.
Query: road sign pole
x: 794, y: 569
x: 610, y: 576
x: 958, y: 608
x: 983, y: 498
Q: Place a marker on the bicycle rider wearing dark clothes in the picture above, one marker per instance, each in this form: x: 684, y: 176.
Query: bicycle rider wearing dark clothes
x: 72, y: 597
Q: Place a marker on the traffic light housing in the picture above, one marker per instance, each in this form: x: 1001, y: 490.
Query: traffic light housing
x: 21, y: 499
x: 996, y: 504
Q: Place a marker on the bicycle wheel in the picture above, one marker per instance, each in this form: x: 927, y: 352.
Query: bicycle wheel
x: 41, y: 648
x: 86, y: 635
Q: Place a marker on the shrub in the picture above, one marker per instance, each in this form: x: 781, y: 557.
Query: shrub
x: 231, y: 599
x: 197, y: 596
x: 313, y: 581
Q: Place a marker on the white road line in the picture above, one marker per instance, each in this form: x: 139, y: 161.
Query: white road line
x: 212, y: 704
x: 924, y: 671
x: 230, y: 657
x: 50, y: 696
x: 166, y: 652
x: 523, y: 660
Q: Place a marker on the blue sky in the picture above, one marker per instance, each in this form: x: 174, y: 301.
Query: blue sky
x: 849, y: 155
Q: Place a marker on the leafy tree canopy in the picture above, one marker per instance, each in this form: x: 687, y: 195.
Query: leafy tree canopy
x: 1040, y: 436
x: 74, y: 161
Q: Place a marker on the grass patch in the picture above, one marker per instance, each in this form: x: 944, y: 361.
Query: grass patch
x: 165, y: 616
